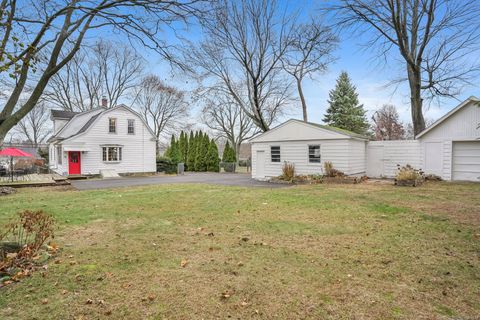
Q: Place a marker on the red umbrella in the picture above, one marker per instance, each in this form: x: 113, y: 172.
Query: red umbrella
x: 14, y: 152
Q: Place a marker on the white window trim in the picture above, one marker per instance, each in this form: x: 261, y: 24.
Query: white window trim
x: 116, y: 125
x: 119, y: 152
x: 280, y: 153
x: 308, y: 155
x: 133, y: 121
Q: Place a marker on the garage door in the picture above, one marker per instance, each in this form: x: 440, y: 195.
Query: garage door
x: 466, y: 161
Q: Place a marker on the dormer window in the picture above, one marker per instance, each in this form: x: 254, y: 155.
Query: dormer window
x: 112, y: 125
x: 131, y: 126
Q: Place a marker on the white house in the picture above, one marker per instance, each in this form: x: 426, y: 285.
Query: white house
x: 308, y: 146
x: 450, y: 148
x: 115, y: 140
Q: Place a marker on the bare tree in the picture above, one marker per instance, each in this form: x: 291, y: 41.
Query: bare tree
x: 164, y: 108
x: 226, y: 119
x: 39, y: 37
x: 387, y: 125
x: 434, y: 39
x: 108, y: 69
x: 36, y: 126
x: 241, y: 56
x: 309, y: 53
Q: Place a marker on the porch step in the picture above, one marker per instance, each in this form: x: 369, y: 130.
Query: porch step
x: 109, y: 173
x: 76, y: 177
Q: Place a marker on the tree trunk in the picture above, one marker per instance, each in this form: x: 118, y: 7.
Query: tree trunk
x: 3, y: 134
x: 237, y: 152
x: 302, y: 99
x: 414, y: 81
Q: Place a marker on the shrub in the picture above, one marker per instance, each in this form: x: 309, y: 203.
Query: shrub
x: 407, y: 172
x: 288, y: 171
x: 228, y: 166
x: 22, y: 238
x: 330, y: 171
x: 316, y: 178
x: 165, y: 164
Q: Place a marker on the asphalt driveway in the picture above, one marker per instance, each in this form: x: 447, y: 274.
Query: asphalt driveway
x: 229, y: 179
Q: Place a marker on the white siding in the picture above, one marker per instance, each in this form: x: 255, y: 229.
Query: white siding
x: 461, y: 125
x: 346, y: 155
x: 357, y: 157
x: 400, y: 152
x: 138, y: 150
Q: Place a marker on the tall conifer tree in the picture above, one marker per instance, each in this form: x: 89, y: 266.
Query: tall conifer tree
x: 344, y: 110
x: 191, y: 152
x: 213, y: 162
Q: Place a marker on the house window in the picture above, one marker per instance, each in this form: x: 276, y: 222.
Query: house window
x: 112, y: 125
x: 275, y: 153
x: 59, y: 155
x: 112, y: 154
x: 314, y: 154
x: 131, y: 126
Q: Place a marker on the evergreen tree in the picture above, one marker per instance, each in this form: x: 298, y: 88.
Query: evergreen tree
x: 183, y: 147
x: 213, y: 162
x: 202, y: 151
x: 173, y: 152
x: 191, y: 152
x: 228, y: 153
x: 344, y: 111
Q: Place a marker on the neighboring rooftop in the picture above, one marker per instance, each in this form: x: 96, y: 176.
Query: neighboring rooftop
x: 62, y: 114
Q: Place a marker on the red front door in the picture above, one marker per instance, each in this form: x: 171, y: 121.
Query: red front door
x: 74, y: 162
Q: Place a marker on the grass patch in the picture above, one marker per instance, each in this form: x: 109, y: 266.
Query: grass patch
x: 311, y: 252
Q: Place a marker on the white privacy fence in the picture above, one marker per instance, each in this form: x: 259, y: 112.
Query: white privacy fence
x: 384, y: 156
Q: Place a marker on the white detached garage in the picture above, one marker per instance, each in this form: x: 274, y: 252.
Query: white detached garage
x: 308, y: 146
x: 451, y: 146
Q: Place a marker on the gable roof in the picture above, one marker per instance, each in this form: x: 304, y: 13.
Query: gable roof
x: 88, y: 123
x: 349, y: 133
x: 62, y: 114
x: 447, y: 115
x: 346, y: 133
x: 83, y: 122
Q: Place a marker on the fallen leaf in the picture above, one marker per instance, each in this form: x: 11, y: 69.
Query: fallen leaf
x: 11, y: 255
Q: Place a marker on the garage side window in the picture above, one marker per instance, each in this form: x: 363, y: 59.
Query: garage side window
x: 275, y: 153
x: 314, y: 153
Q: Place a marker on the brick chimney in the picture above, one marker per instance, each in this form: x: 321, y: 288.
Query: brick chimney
x: 104, y: 102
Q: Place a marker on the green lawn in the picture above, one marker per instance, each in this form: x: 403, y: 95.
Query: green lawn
x: 309, y: 252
